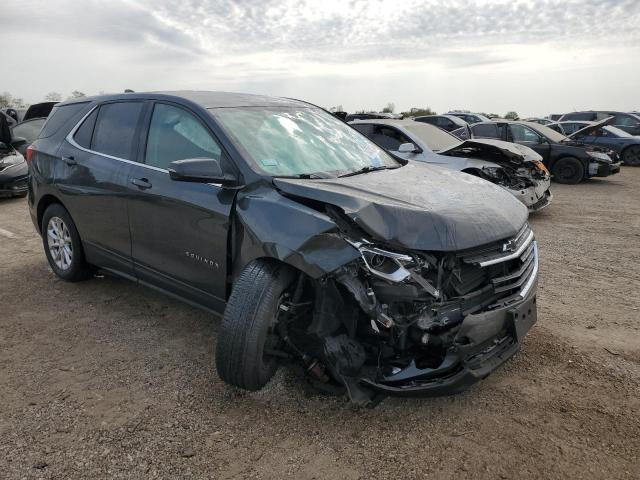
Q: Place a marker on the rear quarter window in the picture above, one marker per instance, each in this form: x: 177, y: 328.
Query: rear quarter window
x: 489, y: 130
x: 59, y: 116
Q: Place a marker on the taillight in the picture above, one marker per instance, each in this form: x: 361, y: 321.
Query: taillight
x: 30, y: 153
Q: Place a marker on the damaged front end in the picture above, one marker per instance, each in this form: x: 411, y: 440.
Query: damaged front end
x: 529, y: 182
x: 429, y: 323
x: 517, y: 168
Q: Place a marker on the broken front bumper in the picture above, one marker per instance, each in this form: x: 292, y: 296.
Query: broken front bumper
x: 483, y: 343
x: 537, y: 197
x: 603, y: 169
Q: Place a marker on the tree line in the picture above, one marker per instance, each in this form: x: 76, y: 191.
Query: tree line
x: 7, y: 100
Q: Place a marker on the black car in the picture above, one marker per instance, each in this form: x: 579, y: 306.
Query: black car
x: 568, y: 161
x: 626, y: 146
x: 469, y: 117
x: 374, y: 274
x: 445, y: 122
x: 13, y: 168
x: 629, y: 122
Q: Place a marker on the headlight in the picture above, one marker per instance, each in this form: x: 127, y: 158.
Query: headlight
x: 540, y: 166
x: 603, y: 157
x: 384, y: 264
x: 11, y: 160
x: 392, y: 266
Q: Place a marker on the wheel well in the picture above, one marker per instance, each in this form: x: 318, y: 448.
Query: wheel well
x: 43, y: 204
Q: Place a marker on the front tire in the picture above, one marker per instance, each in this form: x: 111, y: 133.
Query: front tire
x: 250, y: 316
x: 631, y: 156
x: 62, y: 245
x: 568, y: 170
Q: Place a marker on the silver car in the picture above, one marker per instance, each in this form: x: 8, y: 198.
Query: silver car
x: 514, y: 167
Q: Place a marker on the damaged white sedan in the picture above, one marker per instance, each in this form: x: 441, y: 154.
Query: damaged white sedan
x: 516, y: 168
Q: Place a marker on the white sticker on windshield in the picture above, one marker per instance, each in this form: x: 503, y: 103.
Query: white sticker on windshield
x: 269, y: 162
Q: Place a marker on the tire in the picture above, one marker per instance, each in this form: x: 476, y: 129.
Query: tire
x: 251, y: 311
x: 57, y: 224
x: 631, y: 155
x: 568, y: 170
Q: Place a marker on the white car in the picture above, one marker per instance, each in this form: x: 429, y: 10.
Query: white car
x: 514, y: 167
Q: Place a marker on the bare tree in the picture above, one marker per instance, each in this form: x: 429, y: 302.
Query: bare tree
x: 77, y: 94
x: 8, y: 100
x: 511, y: 116
x: 418, y: 112
x: 390, y: 108
x: 53, y: 97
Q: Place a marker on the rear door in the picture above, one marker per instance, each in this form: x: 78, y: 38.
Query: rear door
x: 179, y: 229
x: 92, y: 178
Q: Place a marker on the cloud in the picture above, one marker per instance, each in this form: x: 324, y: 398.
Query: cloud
x: 278, y: 46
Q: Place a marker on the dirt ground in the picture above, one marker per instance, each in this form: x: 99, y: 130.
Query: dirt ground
x: 107, y: 379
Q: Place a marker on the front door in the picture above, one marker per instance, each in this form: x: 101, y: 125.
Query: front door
x: 179, y: 229
x: 526, y: 136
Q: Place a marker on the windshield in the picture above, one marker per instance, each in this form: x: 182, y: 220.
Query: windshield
x: 547, y: 132
x: 617, y: 132
x: 435, y: 138
x: 300, y: 141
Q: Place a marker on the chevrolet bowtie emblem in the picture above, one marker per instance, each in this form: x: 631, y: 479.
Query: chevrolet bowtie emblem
x: 509, y: 246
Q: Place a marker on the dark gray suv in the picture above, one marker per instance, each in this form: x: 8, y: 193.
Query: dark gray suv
x: 374, y: 274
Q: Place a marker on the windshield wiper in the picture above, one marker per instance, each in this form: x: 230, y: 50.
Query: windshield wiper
x: 367, y: 169
x: 302, y: 176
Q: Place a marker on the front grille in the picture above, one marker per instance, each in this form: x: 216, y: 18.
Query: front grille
x: 500, y: 273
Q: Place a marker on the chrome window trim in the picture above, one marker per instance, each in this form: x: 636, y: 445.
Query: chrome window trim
x: 69, y: 138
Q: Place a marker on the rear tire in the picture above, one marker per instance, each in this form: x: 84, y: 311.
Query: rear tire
x: 252, y: 311
x: 631, y: 156
x: 568, y: 170
x: 62, y: 245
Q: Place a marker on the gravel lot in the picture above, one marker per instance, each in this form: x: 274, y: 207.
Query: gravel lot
x: 106, y: 379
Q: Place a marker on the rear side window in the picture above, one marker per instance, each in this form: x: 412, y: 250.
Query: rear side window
x: 588, y: 116
x: 115, y: 129
x: 59, y: 116
x: 84, y: 133
x: 488, y: 130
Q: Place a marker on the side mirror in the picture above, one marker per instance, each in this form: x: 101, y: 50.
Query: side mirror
x: 18, y: 142
x: 408, y: 148
x: 200, y: 170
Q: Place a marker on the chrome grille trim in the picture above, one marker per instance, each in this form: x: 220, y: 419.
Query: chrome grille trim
x: 510, y: 256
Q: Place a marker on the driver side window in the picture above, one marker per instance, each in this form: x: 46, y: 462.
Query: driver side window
x: 520, y: 133
x: 175, y: 134
x: 389, y: 138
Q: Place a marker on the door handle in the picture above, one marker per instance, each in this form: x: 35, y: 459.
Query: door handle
x: 142, y: 183
x: 69, y: 160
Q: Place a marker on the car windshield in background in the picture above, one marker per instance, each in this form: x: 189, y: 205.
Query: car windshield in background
x: 299, y: 142
x: 616, y: 132
x: 435, y: 138
x: 547, y: 132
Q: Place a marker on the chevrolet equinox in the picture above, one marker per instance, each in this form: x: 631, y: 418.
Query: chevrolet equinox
x: 374, y: 274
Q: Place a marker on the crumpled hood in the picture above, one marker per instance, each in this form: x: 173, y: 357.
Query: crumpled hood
x: 514, y: 152
x: 583, y: 132
x: 419, y: 206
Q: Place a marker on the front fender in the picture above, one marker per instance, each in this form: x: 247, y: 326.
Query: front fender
x: 267, y: 224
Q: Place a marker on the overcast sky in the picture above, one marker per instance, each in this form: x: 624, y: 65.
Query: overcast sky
x: 533, y: 56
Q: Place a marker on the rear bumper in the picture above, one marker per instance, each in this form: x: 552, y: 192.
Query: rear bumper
x: 483, y: 343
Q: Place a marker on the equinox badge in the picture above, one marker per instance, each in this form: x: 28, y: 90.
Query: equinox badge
x: 200, y: 258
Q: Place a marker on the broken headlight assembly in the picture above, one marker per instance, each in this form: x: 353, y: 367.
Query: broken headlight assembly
x: 599, y: 156
x: 394, y: 267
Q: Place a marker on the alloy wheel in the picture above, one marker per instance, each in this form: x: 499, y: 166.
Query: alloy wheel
x: 60, y: 244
